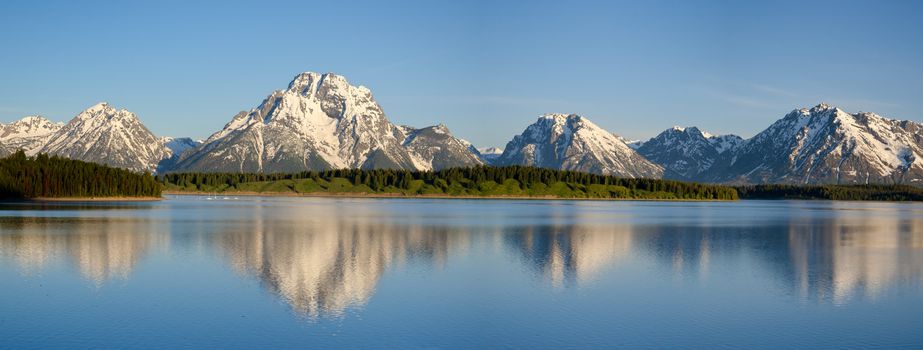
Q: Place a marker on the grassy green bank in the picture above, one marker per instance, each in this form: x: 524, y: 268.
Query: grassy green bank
x: 508, y: 182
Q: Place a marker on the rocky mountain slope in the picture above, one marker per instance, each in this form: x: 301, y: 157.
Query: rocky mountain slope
x: 106, y: 135
x: 572, y: 142
x: 825, y: 144
x: 685, y: 153
x: 434, y: 148
x: 319, y: 122
x: 28, y: 134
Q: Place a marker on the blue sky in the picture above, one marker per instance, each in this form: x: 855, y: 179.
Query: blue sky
x: 485, y: 69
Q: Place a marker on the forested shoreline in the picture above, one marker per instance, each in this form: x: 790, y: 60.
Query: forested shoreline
x: 43, y: 176
x: 515, y: 181
x: 871, y: 192
x: 480, y: 181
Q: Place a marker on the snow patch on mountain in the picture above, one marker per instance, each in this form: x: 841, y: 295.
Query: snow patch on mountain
x: 490, y: 150
x: 178, y: 145
x: 488, y: 155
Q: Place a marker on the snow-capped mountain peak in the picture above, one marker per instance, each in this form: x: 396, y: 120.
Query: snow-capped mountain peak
x: 103, y: 134
x: 28, y: 134
x: 320, y: 121
x: 309, y: 83
x: 29, y: 126
x: 826, y: 144
x: 434, y: 148
x: 686, y: 152
x: 572, y: 142
x: 441, y: 128
x: 823, y: 106
x: 99, y: 106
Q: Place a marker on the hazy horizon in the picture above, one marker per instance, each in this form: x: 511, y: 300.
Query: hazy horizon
x: 633, y: 69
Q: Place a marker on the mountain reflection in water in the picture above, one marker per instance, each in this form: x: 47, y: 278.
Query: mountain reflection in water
x: 99, y: 248
x: 328, y: 263
x: 323, y: 260
x: 570, y: 254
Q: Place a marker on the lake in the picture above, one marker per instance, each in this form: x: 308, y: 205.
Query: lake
x: 276, y: 272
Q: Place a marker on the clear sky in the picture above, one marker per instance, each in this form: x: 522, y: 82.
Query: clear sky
x: 484, y: 68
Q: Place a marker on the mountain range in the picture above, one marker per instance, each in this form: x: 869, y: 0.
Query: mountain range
x: 825, y: 144
x: 321, y: 121
x: 686, y: 153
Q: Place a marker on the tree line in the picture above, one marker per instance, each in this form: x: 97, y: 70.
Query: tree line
x: 478, y: 180
x: 872, y: 192
x: 52, y: 176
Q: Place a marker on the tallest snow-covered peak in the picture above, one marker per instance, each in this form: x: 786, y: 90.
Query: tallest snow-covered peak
x: 311, y: 84
x: 304, y: 82
x: 319, y: 121
x: 823, y: 106
x: 556, y: 124
x: 559, y: 119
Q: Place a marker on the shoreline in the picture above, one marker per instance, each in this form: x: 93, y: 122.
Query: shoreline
x: 93, y: 199
x: 421, y: 196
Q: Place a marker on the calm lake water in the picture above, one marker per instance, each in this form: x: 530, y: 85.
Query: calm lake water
x: 254, y: 272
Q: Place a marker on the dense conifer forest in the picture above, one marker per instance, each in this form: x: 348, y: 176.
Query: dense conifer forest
x: 42, y: 176
x: 475, y: 181
x: 832, y: 192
